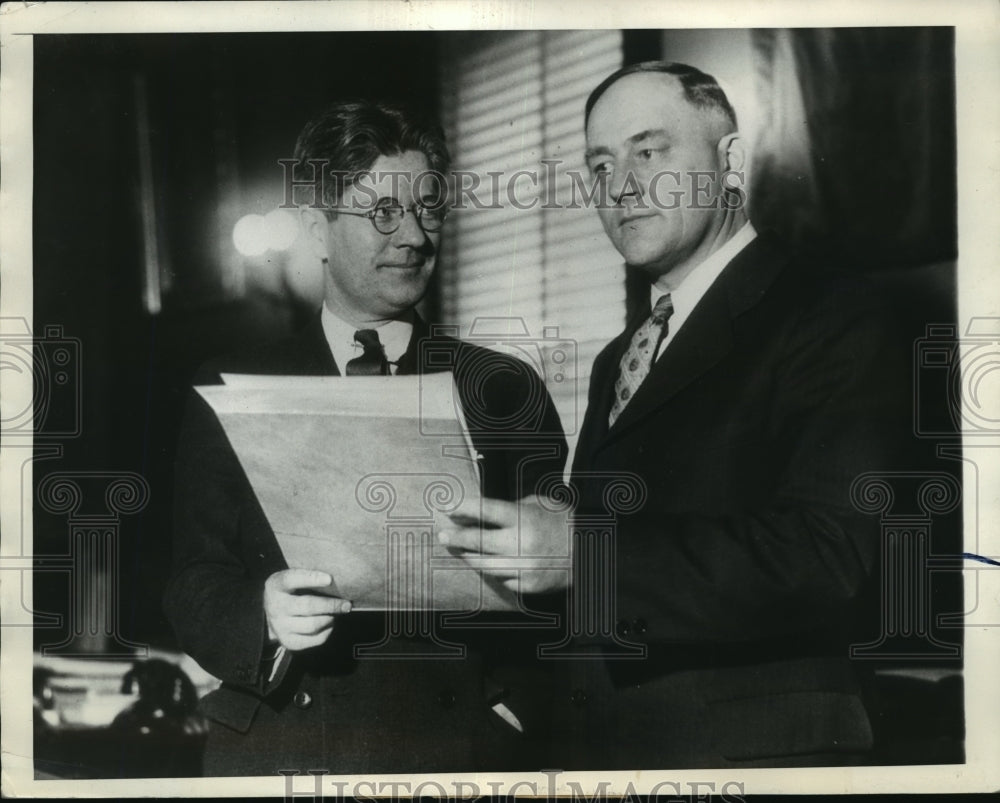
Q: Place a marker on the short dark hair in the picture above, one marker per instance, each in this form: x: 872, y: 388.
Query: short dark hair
x: 700, y: 89
x: 351, y: 135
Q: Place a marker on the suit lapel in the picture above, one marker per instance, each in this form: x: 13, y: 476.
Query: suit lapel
x: 310, y: 353
x: 409, y: 362
x: 606, y: 373
x: 307, y: 353
x: 705, y: 338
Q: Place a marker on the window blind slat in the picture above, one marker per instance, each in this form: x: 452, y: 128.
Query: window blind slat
x: 481, y: 54
x: 507, y: 155
x: 521, y: 137
x: 510, y: 100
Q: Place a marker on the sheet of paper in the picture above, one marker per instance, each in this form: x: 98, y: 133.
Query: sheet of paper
x: 354, y: 475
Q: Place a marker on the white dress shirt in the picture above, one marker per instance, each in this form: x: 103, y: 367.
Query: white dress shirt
x: 689, y: 292
x: 395, y: 337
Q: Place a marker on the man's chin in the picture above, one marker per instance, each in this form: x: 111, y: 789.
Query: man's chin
x: 651, y: 265
x: 640, y: 252
x: 402, y: 284
x: 396, y: 305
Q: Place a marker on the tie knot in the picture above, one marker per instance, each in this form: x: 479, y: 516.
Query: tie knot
x: 373, y: 361
x: 664, y: 308
x: 368, y: 338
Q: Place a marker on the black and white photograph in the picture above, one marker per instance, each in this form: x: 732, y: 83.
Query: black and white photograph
x: 411, y: 399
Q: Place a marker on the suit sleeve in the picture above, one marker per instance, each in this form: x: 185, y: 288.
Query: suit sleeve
x: 214, y: 600
x: 536, y: 468
x: 798, y: 559
x: 513, y: 423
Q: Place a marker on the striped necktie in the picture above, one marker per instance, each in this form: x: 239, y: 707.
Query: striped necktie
x: 641, y: 354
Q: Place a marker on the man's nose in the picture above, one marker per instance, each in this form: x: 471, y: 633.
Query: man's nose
x: 410, y: 232
x: 626, y: 183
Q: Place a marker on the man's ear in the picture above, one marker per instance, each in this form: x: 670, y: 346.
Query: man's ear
x: 314, y: 227
x: 731, y: 153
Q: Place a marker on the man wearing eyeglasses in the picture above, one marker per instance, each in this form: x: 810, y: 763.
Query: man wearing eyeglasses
x: 294, y: 696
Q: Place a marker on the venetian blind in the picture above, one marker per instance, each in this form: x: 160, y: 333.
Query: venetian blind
x: 526, y: 266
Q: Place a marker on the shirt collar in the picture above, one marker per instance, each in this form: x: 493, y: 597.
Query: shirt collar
x: 687, y: 295
x: 395, y: 336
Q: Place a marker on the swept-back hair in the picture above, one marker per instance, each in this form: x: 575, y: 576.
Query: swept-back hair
x: 351, y: 135
x: 700, y: 89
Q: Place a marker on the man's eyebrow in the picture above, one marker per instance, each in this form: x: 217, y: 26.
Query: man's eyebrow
x: 603, y: 150
x: 651, y: 132
x: 382, y: 200
x: 600, y: 150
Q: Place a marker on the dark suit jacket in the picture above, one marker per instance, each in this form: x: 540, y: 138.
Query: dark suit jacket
x: 324, y: 709
x: 741, y: 569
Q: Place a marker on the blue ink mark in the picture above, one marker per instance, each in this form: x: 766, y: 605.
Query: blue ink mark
x: 980, y: 558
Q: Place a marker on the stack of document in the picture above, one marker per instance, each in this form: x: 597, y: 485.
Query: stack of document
x: 355, y: 475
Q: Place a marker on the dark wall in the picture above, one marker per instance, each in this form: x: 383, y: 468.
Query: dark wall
x: 222, y: 109
x: 869, y: 185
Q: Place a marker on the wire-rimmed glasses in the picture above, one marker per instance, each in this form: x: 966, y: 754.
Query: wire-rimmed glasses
x: 389, y: 217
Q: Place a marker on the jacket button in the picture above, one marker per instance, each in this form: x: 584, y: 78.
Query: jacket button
x: 578, y: 697
x: 622, y: 628
x: 302, y: 699
x: 639, y: 626
x: 446, y: 699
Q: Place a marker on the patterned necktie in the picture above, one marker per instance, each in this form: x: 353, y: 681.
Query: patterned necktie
x: 372, y: 362
x: 638, y: 360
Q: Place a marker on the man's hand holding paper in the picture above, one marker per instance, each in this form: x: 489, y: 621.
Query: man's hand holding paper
x: 298, y: 616
x: 525, y: 545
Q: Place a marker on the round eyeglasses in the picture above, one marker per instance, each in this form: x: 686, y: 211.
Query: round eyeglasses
x: 388, y: 218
